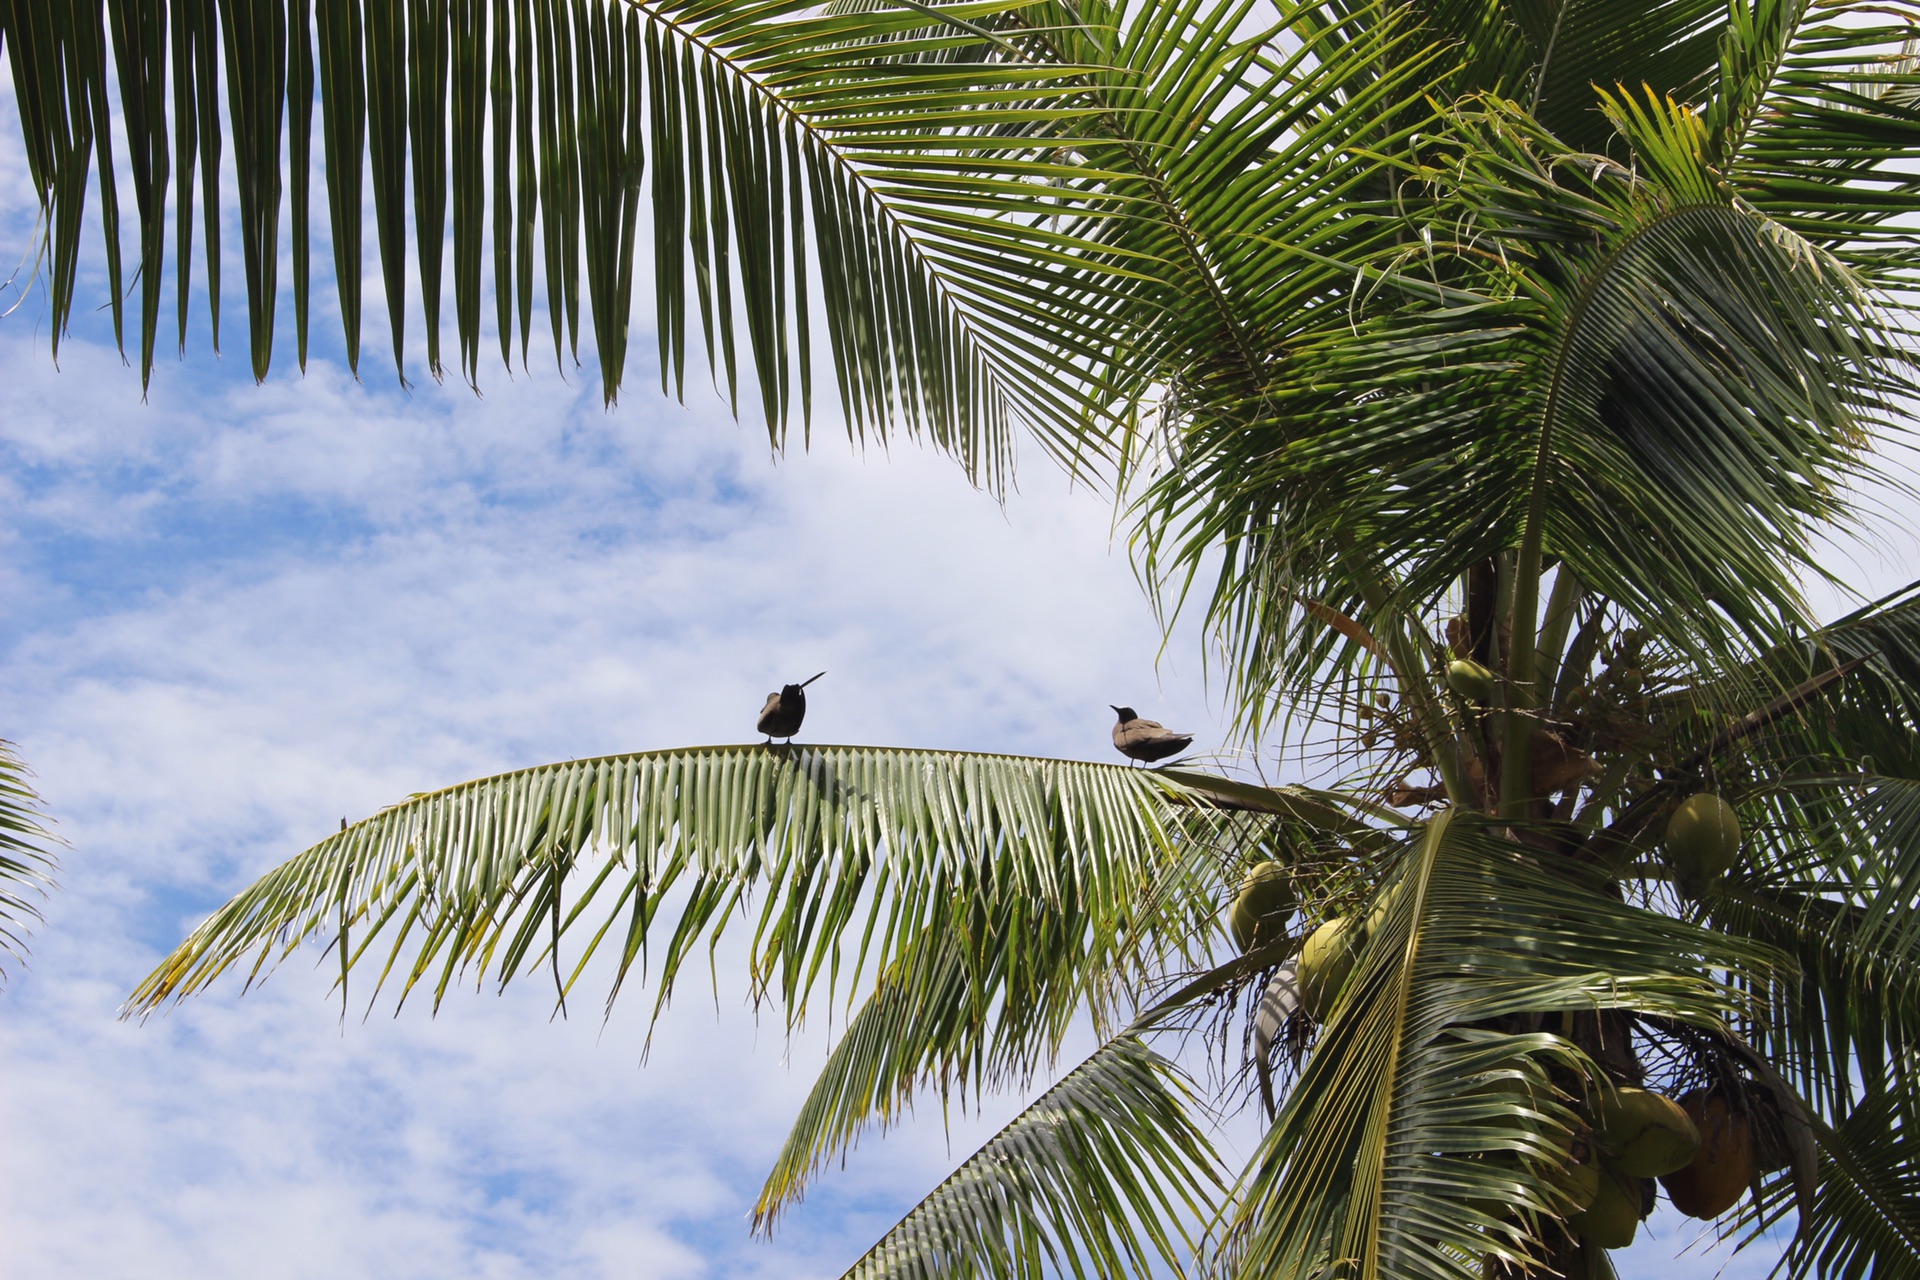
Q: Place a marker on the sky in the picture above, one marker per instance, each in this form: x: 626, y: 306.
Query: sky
x: 232, y: 614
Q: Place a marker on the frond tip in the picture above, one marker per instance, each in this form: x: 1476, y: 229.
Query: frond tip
x: 27, y: 862
x: 797, y: 841
x: 1095, y: 1178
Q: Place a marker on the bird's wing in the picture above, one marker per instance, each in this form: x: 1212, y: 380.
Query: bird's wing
x: 773, y: 703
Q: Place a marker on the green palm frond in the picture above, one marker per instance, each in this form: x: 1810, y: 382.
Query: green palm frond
x: 1629, y: 373
x: 1829, y: 882
x: 980, y: 1000
x: 1379, y: 1163
x: 1866, y: 1219
x: 1861, y: 707
x: 1101, y: 1176
x: 27, y: 863
x: 1831, y: 786
x: 1817, y: 125
x: 805, y: 846
x: 1254, y: 181
x: 924, y: 1006
x: 789, y: 151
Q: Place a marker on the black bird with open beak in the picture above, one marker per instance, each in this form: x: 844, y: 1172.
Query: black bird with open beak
x: 1146, y: 740
x: 784, y: 711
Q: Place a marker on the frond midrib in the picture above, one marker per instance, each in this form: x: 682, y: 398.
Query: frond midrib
x: 665, y: 753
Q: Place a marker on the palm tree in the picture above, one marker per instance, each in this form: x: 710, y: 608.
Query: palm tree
x: 1487, y: 372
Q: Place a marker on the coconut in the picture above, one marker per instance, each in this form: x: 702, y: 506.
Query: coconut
x: 1613, y: 1217
x: 1268, y: 888
x: 1261, y: 910
x: 1703, y: 838
x: 1643, y: 1133
x: 1326, y: 959
x: 1472, y: 681
x: 1724, y: 1166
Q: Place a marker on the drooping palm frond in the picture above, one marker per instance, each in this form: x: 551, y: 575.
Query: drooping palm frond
x: 794, y: 156
x: 1381, y: 1160
x: 1830, y: 783
x: 1857, y: 705
x: 808, y: 847
x: 980, y: 1000
x: 27, y: 863
x: 1000, y: 205
x: 1106, y: 1174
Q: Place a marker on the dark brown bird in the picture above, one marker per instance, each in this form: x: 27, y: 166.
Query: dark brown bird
x: 784, y: 711
x: 1147, y: 740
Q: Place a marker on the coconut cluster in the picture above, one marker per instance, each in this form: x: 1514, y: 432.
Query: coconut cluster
x: 1703, y: 1148
x: 1266, y: 901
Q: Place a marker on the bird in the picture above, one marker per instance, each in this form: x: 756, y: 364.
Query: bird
x: 784, y: 711
x: 1147, y: 740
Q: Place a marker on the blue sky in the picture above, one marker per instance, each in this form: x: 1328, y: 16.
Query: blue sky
x: 234, y: 614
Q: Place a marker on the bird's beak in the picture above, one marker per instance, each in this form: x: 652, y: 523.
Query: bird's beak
x: 810, y: 680
x: 1113, y: 708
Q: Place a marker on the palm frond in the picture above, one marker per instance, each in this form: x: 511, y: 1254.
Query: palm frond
x: 1552, y: 56
x: 807, y: 846
x: 984, y: 996
x: 1864, y: 1221
x: 790, y: 151
x: 27, y: 862
x: 1094, y: 1179
x: 1817, y: 125
x: 1828, y: 881
x: 980, y: 1000
x: 1628, y: 373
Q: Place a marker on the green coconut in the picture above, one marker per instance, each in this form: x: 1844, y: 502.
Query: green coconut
x: 1643, y: 1133
x: 1613, y: 1217
x: 1724, y: 1166
x: 1326, y: 959
x: 1472, y: 681
x: 1703, y: 839
x: 1265, y: 901
x: 1580, y: 1184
